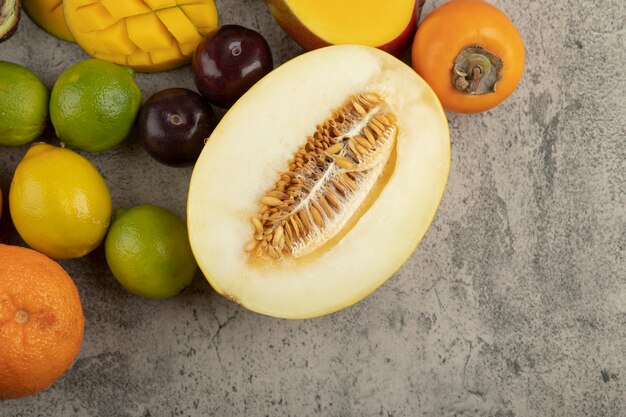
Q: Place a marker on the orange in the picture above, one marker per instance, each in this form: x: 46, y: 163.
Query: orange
x: 41, y: 322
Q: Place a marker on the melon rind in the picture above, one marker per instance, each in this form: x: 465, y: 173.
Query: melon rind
x: 250, y: 148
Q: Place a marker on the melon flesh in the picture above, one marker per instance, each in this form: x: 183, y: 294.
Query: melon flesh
x: 251, y: 147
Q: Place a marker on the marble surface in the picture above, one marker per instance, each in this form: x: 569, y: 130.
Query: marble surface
x: 513, y: 305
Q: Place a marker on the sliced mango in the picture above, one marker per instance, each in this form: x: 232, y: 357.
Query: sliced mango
x: 95, y: 17
x: 81, y: 3
x: 188, y: 48
x: 116, y: 59
x: 140, y: 59
x: 115, y: 38
x: 160, y: 4
x: 48, y: 14
x: 167, y: 55
x: 148, y: 32
x: 179, y: 25
x: 370, y: 22
x: 200, y: 14
x: 101, y: 45
x: 122, y: 9
x: 148, y: 35
x: 389, y: 25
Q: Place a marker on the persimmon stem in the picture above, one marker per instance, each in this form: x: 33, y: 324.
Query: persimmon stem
x: 476, y: 71
x: 477, y: 75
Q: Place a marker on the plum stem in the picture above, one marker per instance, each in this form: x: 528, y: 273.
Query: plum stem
x: 176, y: 120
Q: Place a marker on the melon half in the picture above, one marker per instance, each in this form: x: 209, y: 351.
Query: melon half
x: 319, y: 183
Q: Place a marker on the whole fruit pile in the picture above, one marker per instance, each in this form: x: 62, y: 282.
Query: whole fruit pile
x: 316, y: 185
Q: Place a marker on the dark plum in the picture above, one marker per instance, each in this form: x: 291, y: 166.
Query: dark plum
x: 173, y: 125
x: 228, y: 64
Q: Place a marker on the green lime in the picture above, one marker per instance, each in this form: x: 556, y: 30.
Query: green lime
x: 148, y: 251
x: 93, y: 105
x: 23, y: 105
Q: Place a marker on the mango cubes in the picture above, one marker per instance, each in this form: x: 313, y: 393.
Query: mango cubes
x: 148, y: 35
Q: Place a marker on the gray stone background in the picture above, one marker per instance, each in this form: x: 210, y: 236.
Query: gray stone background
x: 513, y: 305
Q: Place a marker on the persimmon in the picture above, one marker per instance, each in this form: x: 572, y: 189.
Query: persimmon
x: 471, y: 55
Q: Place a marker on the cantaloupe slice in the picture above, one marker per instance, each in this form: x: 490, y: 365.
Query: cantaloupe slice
x: 319, y: 182
x: 148, y: 35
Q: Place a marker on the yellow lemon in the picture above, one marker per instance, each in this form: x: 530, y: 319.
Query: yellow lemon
x: 59, y: 202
